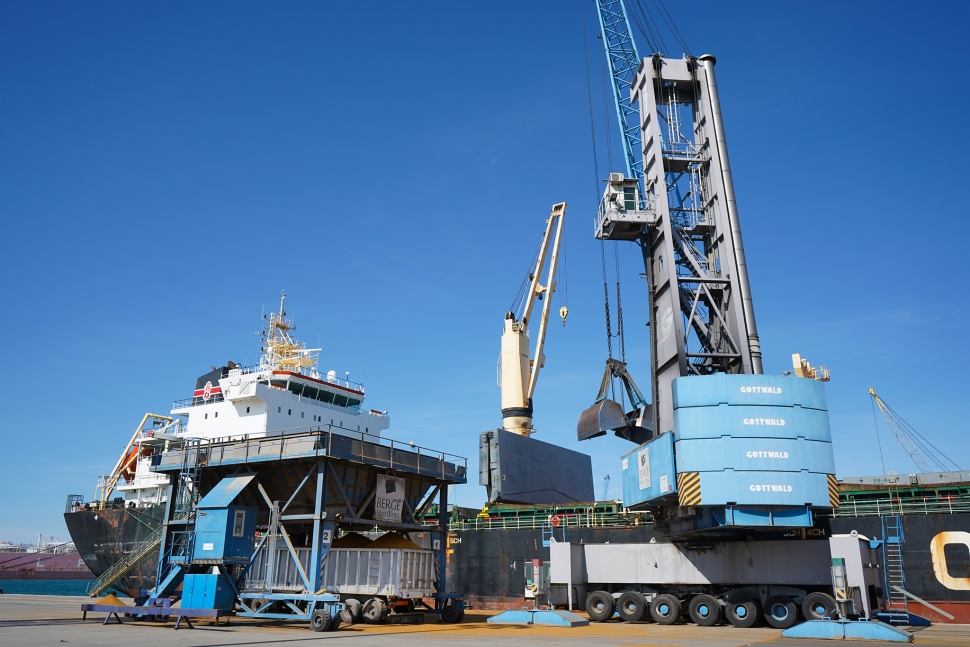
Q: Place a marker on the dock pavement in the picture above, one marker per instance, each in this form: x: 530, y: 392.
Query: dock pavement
x: 47, y: 621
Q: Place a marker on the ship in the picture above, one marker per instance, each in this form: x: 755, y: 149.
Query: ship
x: 51, y: 560
x: 491, y: 550
x: 118, y: 532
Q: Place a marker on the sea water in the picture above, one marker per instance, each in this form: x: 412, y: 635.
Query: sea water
x: 46, y: 587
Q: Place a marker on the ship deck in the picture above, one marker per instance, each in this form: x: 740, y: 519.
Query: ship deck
x: 322, y: 443
x: 51, y: 620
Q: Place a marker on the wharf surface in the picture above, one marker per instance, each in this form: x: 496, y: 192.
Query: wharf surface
x: 42, y: 620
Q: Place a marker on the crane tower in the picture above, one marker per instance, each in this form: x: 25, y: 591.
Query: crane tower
x: 686, y: 223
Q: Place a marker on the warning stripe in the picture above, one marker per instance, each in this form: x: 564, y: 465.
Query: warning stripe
x: 833, y: 491
x: 689, y: 488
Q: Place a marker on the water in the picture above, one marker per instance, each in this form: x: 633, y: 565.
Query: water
x: 46, y: 587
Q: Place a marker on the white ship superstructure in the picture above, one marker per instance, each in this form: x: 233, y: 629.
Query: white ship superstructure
x: 285, y: 393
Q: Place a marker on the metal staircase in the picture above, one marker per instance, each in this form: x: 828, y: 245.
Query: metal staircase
x: 174, y: 563
x: 124, y: 566
x: 897, y: 612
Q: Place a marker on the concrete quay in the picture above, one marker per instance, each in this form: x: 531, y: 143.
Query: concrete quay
x: 42, y: 620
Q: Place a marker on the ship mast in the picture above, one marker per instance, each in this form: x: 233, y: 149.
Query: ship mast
x: 280, y: 350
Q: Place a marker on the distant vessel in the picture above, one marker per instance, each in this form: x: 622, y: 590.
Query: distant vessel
x: 46, y: 561
x: 284, y: 393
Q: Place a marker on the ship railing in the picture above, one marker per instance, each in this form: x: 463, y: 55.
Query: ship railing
x: 895, y: 506
x: 530, y: 522
x: 333, y: 441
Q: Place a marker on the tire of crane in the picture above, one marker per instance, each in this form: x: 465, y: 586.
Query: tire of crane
x: 704, y: 610
x: 351, y: 611
x: 600, y: 606
x: 780, y: 612
x: 319, y: 620
x: 665, y: 609
x: 742, y: 613
x: 334, y: 623
x: 374, y: 611
x: 449, y: 615
x: 632, y: 606
x: 818, y: 605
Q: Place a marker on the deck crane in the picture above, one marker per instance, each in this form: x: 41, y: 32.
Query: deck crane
x: 513, y: 466
x: 911, y: 440
x: 518, y: 372
x: 677, y: 204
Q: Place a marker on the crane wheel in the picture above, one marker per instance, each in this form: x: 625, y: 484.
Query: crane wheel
x: 665, y: 609
x: 704, y: 610
x: 817, y: 605
x: 600, y: 606
x: 742, y: 613
x: 632, y: 606
x: 781, y: 612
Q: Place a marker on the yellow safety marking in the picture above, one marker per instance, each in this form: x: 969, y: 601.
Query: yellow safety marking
x: 689, y: 488
x: 833, y: 491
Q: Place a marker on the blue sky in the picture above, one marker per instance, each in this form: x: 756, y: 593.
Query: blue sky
x: 167, y: 168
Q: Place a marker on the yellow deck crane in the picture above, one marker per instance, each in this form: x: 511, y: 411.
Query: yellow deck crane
x: 518, y: 372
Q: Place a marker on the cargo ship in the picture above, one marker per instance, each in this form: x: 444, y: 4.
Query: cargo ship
x: 117, y: 533
x: 45, y: 561
x: 490, y: 550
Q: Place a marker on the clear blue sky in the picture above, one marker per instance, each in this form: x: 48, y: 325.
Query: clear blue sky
x: 167, y: 168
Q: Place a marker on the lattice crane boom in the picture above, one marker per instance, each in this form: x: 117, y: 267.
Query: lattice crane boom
x: 899, y: 431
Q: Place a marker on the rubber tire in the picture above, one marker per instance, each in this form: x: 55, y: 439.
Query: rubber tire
x: 351, y: 611
x: 665, y: 609
x: 334, y: 623
x: 817, y: 605
x: 449, y: 615
x: 780, y: 612
x: 704, y: 610
x: 373, y: 611
x: 319, y: 620
x: 632, y: 606
x: 742, y: 613
x: 600, y: 606
x: 257, y: 604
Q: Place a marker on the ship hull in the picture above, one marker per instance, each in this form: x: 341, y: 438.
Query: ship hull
x: 490, y: 566
x: 104, y: 537
x: 43, y: 566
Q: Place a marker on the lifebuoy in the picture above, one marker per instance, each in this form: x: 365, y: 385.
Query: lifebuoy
x: 556, y: 521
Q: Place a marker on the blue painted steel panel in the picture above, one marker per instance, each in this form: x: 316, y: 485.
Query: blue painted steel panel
x: 752, y: 422
x: 225, y: 491
x: 761, y: 454
x: 760, y: 390
x: 224, y: 534
x: 207, y: 591
x: 764, y: 516
x: 648, y: 471
x: 764, y: 488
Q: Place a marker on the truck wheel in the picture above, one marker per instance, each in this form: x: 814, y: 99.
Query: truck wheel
x: 816, y: 606
x: 665, y: 609
x: 334, y: 623
x: 781, y: 612
x: 374, y: 611
x: 449, y: 615
x: 704, y: 610
x: 742, y: 613
x: 319, y: 620
x: 632, y: 606
x: 351, y: 612
x: 600, y: 606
